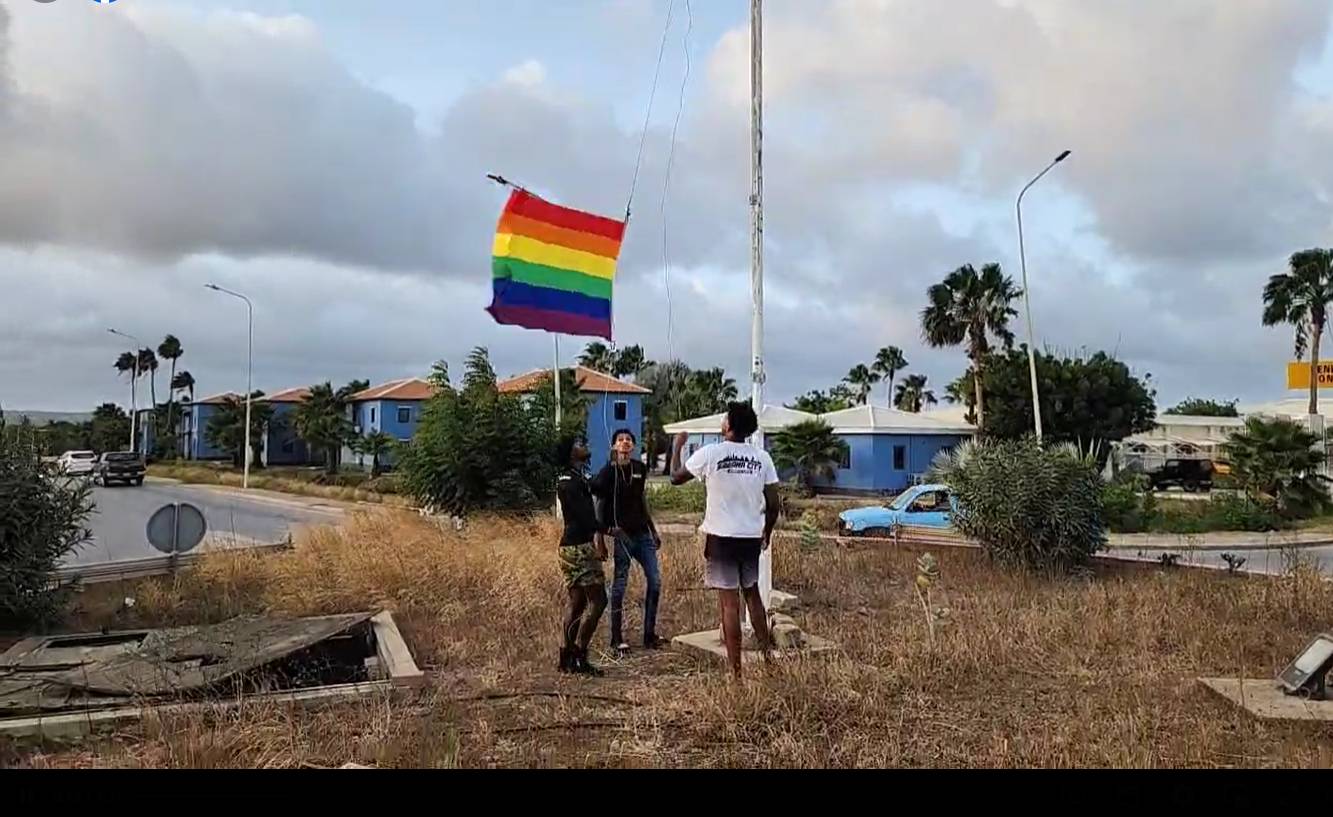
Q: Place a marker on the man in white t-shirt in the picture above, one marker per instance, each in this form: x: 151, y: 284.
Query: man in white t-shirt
x: 741, y: 511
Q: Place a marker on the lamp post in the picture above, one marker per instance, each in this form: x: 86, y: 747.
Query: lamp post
x: 249, y: 369
x: 134, y: 378
x: 1027, y: 298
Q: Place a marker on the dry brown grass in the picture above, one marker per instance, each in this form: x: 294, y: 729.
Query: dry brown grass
x: 1030, y: 671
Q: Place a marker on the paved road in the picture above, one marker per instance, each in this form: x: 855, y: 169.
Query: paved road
x: 233, y: 518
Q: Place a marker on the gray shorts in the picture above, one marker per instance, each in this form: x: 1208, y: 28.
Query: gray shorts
x: 731, y: 564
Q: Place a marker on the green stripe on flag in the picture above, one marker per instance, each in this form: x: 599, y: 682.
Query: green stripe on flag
x: 540, y: 275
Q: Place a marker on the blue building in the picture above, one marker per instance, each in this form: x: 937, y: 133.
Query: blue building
x: 887, y: 449
x: 282, y: 445
x: 393, y: 408
x: 615, y: 404
x: 192, y: 427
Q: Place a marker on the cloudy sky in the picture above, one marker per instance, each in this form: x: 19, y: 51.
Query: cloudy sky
x: 328, y: 158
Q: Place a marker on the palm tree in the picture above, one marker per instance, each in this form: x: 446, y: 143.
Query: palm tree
x: 183, y: 381
x: 1276, y: 460
x: 862, y: 379
x: 968, y: 307
x: 170, y: 349
x: 1301, y: 298
x: 599, y: 357
x: 912, y: 394
x: 226, y: 426
x: 630, y: 362
x: 321, y: 420
x: 811, y: 449
x: 817, y: 402
x: 128, y: 363
x: 375, y: 445
x: 888, y: 362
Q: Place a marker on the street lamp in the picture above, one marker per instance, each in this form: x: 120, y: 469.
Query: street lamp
x: 1027, y: 298
x: 134, y: 377
x: 249, y: 368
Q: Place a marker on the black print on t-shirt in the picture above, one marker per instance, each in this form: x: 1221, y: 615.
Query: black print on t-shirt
x: 734, y: 464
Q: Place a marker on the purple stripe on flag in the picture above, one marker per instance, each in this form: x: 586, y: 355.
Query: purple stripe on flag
x: 551, y: 320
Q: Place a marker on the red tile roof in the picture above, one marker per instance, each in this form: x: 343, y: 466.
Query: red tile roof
x: 588, y: 380
x: 411, y: 388
x: 219, y: 399
x: 294, y: 395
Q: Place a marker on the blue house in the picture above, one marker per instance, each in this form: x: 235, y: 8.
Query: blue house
x: 393, y: 408
x: 615, y: 404
x: 282, y: 445
x: 192, y: 425
x: 887, y: 449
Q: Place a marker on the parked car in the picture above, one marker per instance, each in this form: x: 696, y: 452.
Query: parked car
x: 1191, y: 475
x: 80, y: 463
x: 120, y: 466
x: 928, y: 506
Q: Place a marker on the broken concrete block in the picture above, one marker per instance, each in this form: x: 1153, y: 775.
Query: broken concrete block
x: 786, y: 602
x: 788, y: 637
x: 774, y: 619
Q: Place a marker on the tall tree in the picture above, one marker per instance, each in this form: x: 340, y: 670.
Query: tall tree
x: 374, y: 445
x: 108, y: 428
x: 183, y: 381
x: 809, y: 448
x: 1088, y: 400
x: 128, y: 364
x: 630, y: 362
x: 321, y: 420
x: 968, y: 307
x: 888, y: 362
x: 226, y: 428
x: 598, y: 356
x: 861, y: 379
x: 170, y: 349
x: 912, y: 394
x: 148, y: 367
x: 818, y: 402
x: 1201, y: 407
x: 1301, y: 297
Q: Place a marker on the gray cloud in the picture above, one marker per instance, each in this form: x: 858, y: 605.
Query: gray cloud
x: 156, y: 160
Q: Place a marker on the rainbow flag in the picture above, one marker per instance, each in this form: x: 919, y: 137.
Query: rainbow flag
x: 552, y: 267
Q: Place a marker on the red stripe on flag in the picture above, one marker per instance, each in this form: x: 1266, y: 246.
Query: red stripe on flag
x: 523, y: 203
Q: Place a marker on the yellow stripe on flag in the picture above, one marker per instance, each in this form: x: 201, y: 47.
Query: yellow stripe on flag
x: 533, y: 251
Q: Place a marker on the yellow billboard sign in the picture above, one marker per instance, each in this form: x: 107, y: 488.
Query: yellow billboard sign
x: 1298, y: 375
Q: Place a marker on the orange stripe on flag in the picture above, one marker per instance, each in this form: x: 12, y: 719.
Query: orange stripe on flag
x: 546, y: 233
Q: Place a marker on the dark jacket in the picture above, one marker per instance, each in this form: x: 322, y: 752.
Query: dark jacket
x: 576, y: 507
x: 621, y: 491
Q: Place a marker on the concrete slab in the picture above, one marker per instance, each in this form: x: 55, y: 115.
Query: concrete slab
x: 780, y: 602
x: 708, y: 643
x: 1262, y: 698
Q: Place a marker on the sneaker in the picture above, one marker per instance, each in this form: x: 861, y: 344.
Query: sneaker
x: 620, y: 650
x: 582, y: 666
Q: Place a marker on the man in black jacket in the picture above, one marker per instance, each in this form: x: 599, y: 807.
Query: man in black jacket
x: 620, y: 486
x: 582, y: 552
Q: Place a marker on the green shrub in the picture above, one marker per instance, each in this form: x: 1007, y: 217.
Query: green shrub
x: 1128, y: 506
x: 687, y: 498
x: 1027, y: 505
x: 1221, y: 512
x: 42, y: 519
x: 478, y: 449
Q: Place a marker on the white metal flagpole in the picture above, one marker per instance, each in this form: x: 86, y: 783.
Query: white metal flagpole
x: 555, y: 373
x: 757, y: 252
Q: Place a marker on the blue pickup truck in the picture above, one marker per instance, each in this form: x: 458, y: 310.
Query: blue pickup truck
x: 926, y: 506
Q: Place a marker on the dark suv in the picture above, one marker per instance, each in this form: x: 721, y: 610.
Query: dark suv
x: 119, y: 466
x: 1191, y: 475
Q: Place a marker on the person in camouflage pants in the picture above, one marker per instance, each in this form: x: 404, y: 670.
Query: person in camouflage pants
x: 582, y: 551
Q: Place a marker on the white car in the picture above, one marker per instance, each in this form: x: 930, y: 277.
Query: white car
x: 78, y: 463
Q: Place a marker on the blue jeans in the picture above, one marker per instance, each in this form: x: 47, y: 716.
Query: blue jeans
x: 640, y: 549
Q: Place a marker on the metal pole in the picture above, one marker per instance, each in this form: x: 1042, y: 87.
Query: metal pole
x: 1027, y: 298
x: 249, y: 370
x: 555, y: 374
x: 757, y: 253
x: 134, y: 379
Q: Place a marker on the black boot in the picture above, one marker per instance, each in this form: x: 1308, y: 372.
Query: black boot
x: 582, y: 666
x: 567, y: 659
